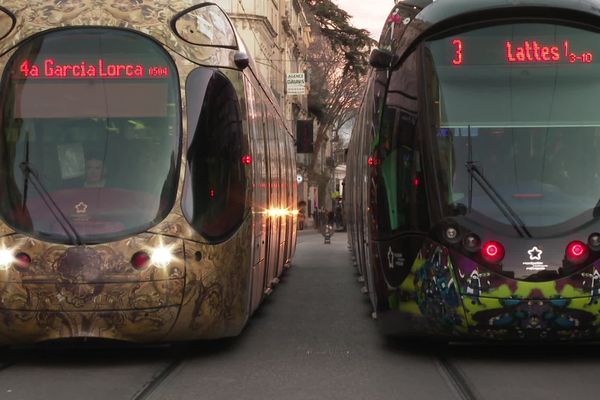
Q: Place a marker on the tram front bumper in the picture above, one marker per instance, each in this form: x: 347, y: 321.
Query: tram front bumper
x: 462, y: 300
x: 496, y: 319
x: 138, y: 311
x: 88, y: 291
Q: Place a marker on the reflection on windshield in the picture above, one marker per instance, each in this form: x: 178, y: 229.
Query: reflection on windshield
x: 533, y: 118
x: 547, y: 175
x: 105, y: 176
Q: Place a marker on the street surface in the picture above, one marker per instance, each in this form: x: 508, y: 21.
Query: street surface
x: 313, y: 338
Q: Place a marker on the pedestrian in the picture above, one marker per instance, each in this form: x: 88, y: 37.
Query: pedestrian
x: 301, y: 214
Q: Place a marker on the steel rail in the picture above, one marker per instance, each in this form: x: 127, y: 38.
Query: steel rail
x: 147, y: 391
x: 454, y: 378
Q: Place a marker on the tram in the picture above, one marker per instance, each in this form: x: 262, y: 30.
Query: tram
x: 147, y: 173
x: 474, y: 171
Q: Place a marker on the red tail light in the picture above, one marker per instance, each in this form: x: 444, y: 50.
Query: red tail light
x: 576, y: 252
x: 140, y: 260
x: 22, y: 260
x: 492, y: 252
x: 373, y: 161
x: 247, y: 159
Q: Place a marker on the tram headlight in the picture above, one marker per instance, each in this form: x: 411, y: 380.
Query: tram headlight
x: 594, y: 241
x: 277, y: 212
x: 472, y: 243
x: 452, y: 234
x: 7, y: 258
x: 161, y: 256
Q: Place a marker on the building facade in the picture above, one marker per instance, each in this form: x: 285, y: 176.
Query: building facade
x: 277, y: 36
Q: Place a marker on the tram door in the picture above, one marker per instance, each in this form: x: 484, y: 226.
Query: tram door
x: 293, y: 196
x: 285, y: 198
x: 273, y: 224
x: 283, y: 201
x: 360, y: 205
x: 290, y: 182
x: 255, y: 111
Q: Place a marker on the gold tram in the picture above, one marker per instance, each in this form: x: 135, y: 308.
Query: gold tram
x: 148, y: 179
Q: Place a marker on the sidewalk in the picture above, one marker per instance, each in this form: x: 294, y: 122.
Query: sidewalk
x: 309, y: 223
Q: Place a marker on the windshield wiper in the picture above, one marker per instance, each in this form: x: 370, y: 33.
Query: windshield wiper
x: 498, y: 200
x: 60, y: 217
x: 474, y: 172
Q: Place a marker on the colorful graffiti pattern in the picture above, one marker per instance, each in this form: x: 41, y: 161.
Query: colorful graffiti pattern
x: 431, y: 291
x: 461, y: 298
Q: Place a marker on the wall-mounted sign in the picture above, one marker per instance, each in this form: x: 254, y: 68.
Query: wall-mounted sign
x: 295, y: 84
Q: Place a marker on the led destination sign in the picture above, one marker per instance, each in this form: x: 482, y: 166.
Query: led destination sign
x: 50, y: 69
x: 531, y: 52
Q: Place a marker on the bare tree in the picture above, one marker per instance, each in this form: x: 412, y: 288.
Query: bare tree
x: 338, y: 73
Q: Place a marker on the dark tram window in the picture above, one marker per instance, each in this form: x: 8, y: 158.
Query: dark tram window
x: 400, y: 202
x: 215, y: 192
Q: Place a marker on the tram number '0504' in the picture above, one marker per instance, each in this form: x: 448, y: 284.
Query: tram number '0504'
x: 158, y: 71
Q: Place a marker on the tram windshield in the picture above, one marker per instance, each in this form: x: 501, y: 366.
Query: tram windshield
x: 520, y: 103
x: 90, y: 135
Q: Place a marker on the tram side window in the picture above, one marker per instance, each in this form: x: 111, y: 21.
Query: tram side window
x: 400, y: 198
x: 215, y: 191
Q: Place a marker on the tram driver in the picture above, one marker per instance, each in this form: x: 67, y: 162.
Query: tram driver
x: 94, y: 173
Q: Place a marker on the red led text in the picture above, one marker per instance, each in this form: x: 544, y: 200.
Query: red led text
x: 531, y: 51
x: 458, y: 55
x: 50, y: 69
x: 158, y: 71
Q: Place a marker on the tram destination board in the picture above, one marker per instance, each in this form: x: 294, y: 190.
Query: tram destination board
x: 520, y: 47
x: 82, y: 87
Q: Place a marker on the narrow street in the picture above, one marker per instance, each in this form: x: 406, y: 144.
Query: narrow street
x: 313, y: 338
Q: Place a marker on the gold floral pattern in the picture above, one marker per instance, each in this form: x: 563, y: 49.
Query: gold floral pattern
x: 94, y: 291
x: 150, y: 17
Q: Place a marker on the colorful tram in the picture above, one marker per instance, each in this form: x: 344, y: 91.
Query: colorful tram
x: 474, y: 171
x: 147, y: 174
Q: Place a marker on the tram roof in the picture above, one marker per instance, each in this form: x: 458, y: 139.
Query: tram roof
x: 436, y: 11
x: 22, y: 19
x: 46, y: 9
x: 440, y: 15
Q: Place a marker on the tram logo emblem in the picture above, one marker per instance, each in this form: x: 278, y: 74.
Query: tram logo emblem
x: 81, y: 208
x: 394, y: 259
x: 535, y: 253
x: 535, y: 262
